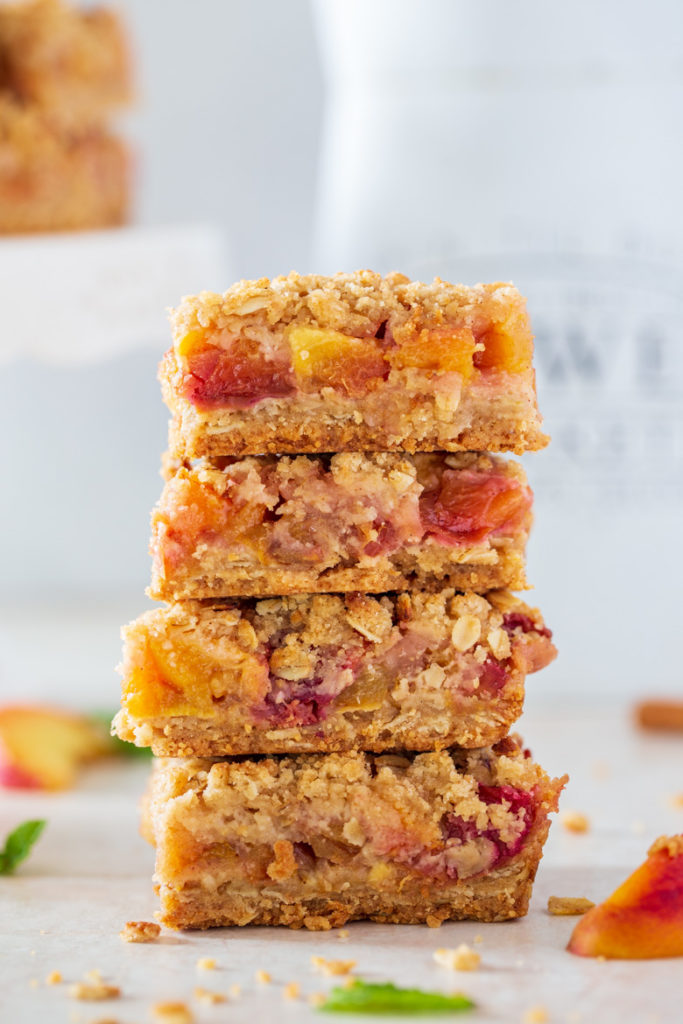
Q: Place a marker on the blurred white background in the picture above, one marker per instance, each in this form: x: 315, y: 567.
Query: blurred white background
x: 470, y: 139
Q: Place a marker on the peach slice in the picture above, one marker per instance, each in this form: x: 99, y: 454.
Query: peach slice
x: 643, y: 918
x: 329, y: 358
x: 42, y: 748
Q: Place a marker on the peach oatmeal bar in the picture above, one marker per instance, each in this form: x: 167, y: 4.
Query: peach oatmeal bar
x: 263, y: 525
x: 69, y: 63
x: 319, y: 840
x: 55, y: 181
x: 329, y: 672
x: 351, y: 362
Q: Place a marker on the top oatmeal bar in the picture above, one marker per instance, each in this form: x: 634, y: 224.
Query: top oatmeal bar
x: 351, y: 362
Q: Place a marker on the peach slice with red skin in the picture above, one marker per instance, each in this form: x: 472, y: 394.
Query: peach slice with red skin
x: 643, y: 918
x: 42, y: 747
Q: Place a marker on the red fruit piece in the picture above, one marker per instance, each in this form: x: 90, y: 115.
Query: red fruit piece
x: 643, y: 918
x: 518, y: 620
x: 234, y: 378
x: 469, y: 506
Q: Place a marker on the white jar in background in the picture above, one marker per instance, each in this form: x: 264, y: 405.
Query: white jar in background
x: 542, y: 143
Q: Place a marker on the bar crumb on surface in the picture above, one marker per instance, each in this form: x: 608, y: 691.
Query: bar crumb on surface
x: 332, y: 967
x: 53, y: 978
x: 536, y: 1015
x: 292, y: 990
x: 568, y: 905
x: 263, y: 977
x: 172, y: 1013
x: 463, y: 958
x: 209, y: 998
x: 140, y: 931
x: 94, y: 991
x: 575, y: 821
x: 206, y: 963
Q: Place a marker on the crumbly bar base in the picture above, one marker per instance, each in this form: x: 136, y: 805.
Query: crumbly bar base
x: 425, y: 569
x: 385, y: 809
x: 410, y: 416
x: 500, y: 896
x: 329, y: 673
x: 435, y: 725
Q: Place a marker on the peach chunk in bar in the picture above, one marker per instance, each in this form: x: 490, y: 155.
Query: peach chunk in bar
x: 315, y: 841
x: 263, y: 525
x: 352, y: 362
x: 329, y: 672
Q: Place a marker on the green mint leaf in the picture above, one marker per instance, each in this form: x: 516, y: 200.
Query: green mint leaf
x: 18, y: 845
x: 368, y: 997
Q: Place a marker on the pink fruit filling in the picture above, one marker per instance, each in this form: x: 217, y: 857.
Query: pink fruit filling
x: 517, y: 620
x: 215, y: 380
x: 467, y: 507
x: 519, y: 803
x: 305, y: 513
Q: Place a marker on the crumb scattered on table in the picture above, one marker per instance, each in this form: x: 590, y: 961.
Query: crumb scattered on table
x: 209, y: 998
x: 574, y: 821
x: 173, y: 1013
x: 263, y: 977
x: 53, y: 978
x: 140, y: 931
x: 93, y: 992
x: 316, y: 998
x: 332, y: 967
x: 463, y: 958
x: 206, y: 963
x: 536, y: 1015
x: 291, y: 990
x: 568, y: 905
x: 235, y: 990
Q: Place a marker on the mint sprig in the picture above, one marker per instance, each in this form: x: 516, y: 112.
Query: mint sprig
x: 371, y: 997
x: 18, y: 845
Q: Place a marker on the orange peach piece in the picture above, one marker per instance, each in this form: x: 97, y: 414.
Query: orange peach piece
x: 42, y: 747
x: 643, y: 918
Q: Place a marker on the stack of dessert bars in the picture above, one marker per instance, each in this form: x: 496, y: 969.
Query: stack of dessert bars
x: 63, y: 73
x: 331, y: 684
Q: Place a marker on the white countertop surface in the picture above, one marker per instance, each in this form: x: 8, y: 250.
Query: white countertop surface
x: 90, y: 872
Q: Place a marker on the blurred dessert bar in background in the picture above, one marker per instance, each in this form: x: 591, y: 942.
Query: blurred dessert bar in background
x: 63, y: 73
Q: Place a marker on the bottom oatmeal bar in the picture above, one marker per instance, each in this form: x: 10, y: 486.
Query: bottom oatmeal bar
x: 315, y: 841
